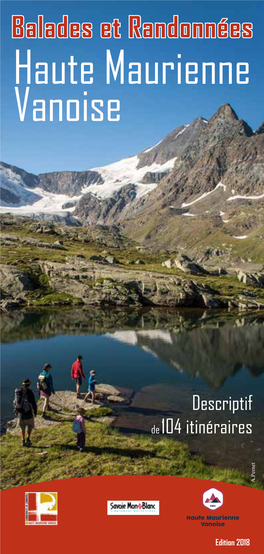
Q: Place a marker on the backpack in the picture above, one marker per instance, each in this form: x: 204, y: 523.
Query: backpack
x: 76, y: 426
x: 21, y: 403
x: 42, y: 383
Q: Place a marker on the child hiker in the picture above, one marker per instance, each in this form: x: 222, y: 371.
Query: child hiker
x: 91, y: 386
x: 79, y: 428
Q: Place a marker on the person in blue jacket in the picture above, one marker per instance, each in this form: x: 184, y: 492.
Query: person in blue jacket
x: 46, y: 387
x: 91, y: 386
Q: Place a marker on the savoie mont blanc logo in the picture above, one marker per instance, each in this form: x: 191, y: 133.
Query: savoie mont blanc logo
x: 133, y: 507
x: 213, y: 499
x: 41, y: 508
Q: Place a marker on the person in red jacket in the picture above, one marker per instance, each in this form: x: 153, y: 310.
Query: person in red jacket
x: 77, y: 374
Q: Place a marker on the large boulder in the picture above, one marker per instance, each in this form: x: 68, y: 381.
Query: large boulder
x: 211, y: 252
x: 253, y: 279
x: 112, y: 260
x: 211, y: 301
x: 6, y: 305
x: 43, y: 228
x: 117, y: 399
x: 185, y: 264
x: 15, y: 283
x: 63, y: 408
x: 97, y: 258
x: 107, y: 390
x: 169, y: 264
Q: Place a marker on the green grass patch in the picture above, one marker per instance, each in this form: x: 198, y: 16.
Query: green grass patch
x: 37, y: 298
x: 103, y: 411
x: 54, y: 456
x: 43, y: 280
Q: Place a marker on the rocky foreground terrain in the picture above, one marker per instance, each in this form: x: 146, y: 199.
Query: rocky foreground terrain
x: 64, y: 406
x: 48, y: 265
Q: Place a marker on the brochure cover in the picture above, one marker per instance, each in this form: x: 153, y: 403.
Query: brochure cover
x: 132, y: 276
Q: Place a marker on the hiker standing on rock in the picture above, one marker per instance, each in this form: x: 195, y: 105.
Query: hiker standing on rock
x: 77, y: 374
x: 25, y: 409
x: 91, y: 387
x: 45, y: 386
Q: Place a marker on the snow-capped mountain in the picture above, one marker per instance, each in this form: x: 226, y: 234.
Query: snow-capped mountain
x: 199, y: 175
x: 215, y: 192
x: 19, y: 198
x: 60, y: 192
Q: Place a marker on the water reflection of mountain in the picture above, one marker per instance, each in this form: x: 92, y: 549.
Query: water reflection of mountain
x: 25, y: 325
x: 212, y: 354
x: 211, y: 344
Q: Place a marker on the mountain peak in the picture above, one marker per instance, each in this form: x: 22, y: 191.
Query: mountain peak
x: 173, y: 145
x: 260, y: 130
x: 199, y: 122
x: 226, y: 111
x: 225, y: 121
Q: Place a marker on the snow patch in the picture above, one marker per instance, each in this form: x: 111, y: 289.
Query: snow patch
x: 128, y: 337
x: 47, y: 203
x: 244, y: 197
x: 131, y: 337
x: 182, y: 131
x: 149, y: 149
x: 125, y: 172
x: 241, y: 238
x: 13, y: 183
x: 164, y: 336
x: 149, y: 351
x: 185, y: 204
x: 178, y: 134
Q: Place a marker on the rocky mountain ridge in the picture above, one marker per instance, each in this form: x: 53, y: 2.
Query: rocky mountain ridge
x: 222, y: 161
x: 149, y: 167
x: 196, y: 180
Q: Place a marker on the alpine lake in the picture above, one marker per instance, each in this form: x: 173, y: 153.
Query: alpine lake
x: 164, y: 357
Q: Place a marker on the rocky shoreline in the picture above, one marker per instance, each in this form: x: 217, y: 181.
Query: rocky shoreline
x: 79, y: 281
x: 64, y: 406
x: 142, y: 410
x: 108, y: 452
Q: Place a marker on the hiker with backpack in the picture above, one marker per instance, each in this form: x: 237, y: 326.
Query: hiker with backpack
x: 45, y: 387
x: 78, y: 427
x: 77, y: 374
x: 25, y: 409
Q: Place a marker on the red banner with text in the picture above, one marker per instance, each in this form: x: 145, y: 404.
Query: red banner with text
x: 78, y: 515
